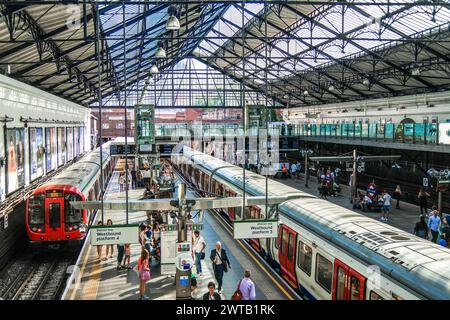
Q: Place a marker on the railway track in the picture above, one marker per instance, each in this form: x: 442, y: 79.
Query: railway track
x: 34, y: 278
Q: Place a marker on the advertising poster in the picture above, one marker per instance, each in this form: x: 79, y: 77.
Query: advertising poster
x: 2, y: 175
x: 81, y: 139
x: 15, y: 158
x: 444, y: 133
x: 36, y: 153
x: 69, y: 144
x: 76, y: 135
x: 50, y: 147
x: 61, y: 146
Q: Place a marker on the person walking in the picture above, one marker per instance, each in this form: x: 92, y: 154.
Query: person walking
x: 421, y: 228
x: 133, y: 178
x: 144, y: 273
x: 422, y: 196
x: 109, y: 246
x: 284, y: 171
x: 247, y: 287
x: 144, y: 240
x: 433, y: 224
x: 199, y: 251
x: 211, y: 294
x: 398, y: 195
x: 220, y: 263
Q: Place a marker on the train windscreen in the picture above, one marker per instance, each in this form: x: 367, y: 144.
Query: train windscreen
x: 54, y: 215
x: 36, y: 212
x: 71, y: 215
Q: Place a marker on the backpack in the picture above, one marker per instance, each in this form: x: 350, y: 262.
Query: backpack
x: 237, y: 295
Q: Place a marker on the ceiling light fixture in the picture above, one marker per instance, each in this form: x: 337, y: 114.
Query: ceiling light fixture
x: 160, y: 52
x: 173, y: 23
x: 154, y: 69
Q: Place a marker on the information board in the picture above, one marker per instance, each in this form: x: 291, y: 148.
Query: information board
x: 255, y: 229
x: 169, y: 237
x: 117, y: 234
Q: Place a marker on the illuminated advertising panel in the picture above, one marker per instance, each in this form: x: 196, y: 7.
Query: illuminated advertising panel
x: 36, y: 153
x: 61, y: 133
x: 51, y: 150
x: 69, y: 144
x: 15, y: 159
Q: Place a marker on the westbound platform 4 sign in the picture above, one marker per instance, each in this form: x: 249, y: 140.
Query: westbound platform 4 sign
x: 118, y: 234
x: 255, y: 229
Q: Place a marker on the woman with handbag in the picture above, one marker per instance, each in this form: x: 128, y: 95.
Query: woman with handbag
x: 144, y: 273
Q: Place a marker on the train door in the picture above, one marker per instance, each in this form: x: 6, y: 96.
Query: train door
x: 254, y: 213
x: 286, y: 254
x: 231, y: 210
x: 55, y: 212
x: 348, y: 284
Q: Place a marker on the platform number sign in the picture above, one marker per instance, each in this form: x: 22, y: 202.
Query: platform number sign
x: 5, y: 221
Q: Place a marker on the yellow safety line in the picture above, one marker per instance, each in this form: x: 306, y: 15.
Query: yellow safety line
x: 91, y: 287
x: 72, y: 296
x: 257, y: 262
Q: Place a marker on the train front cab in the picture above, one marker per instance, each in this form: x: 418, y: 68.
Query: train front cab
x: 51, y: 220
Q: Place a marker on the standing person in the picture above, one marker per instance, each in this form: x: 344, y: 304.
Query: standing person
x: 421, y: 228
x: 247, y: 287
x: 386, y: 205
x: 299, y: 169
x: 442, y: 227
x: 211, y: 294
x: 144, y: 240
x: 144, y: 273
x: 199, y: 250
x: 220, y: 263
x: 323, y: 189
x: 122, y: 182
x: 120, y: 252
x: 100, y: 247
x: 284, y: 171
x: 126, y: 261
x: 109, y: 246
x: 422, y: 196
x: 398, y: 196
x: 133, y: 178
x: 433, y: 224
x: 294, y: 171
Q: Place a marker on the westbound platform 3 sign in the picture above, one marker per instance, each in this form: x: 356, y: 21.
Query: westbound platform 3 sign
x: 118, y: 234
x: 255, y: 229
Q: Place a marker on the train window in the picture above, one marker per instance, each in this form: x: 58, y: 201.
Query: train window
x: 304, y: 258
x: 396, y: 297
x: 71, y: 215
x: 36, y: 212
x: 291, y: 247
x: 284, y: 241
x: 340, y: 285
x: 354, y: 288
x: 375, y: 296
x: 324, y: 272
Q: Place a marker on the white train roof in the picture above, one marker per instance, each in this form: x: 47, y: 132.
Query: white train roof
x: 403, y: 255
x: 81, y: 173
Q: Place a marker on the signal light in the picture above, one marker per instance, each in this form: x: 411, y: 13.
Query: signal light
x: 39, y: 230
x: 70, y: 228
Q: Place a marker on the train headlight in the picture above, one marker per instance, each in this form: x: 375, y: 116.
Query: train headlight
x: 34, y: 229
x: 75, y: 227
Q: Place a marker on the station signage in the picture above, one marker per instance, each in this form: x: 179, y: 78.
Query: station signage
x: 170, y: 249
x: 118, y: 234
x: 255, y: 229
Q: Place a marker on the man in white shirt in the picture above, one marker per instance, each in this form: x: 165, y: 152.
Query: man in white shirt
x: 294, y: 171
x: 199, y: 248
x: 386, y: 206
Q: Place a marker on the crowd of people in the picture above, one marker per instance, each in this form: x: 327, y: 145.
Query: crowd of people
x: 328, y: 182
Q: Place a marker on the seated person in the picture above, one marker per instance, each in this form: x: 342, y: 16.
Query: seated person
x: 336, y: 189
x: 366, y: 203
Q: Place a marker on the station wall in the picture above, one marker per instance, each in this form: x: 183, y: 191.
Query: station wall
x: 57, y: 132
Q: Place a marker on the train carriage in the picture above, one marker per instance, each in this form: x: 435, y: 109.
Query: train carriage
x: 50, y: 220
x: 326, y: 251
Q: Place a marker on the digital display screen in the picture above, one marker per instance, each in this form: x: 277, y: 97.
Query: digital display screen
x: 54, y: 194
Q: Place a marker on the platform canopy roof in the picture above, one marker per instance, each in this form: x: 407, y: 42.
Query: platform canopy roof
x: 297, y: 53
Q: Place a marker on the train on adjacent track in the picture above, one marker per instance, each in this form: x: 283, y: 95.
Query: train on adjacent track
x: 323, y: 250
x: 50, y: 220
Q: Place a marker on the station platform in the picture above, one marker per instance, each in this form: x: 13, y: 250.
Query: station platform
x: 100, y: 280
x: 404, y: 218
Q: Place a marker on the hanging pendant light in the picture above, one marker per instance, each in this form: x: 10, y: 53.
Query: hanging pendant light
x: 173, y: 23
x: 160, y: 53
x: 154, y: 69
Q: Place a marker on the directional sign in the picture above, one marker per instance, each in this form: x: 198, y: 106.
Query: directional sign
x: 118, y: 234
x: 255, y: 229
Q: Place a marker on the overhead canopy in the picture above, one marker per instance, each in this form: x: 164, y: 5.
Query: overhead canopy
x: 296, y: 53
